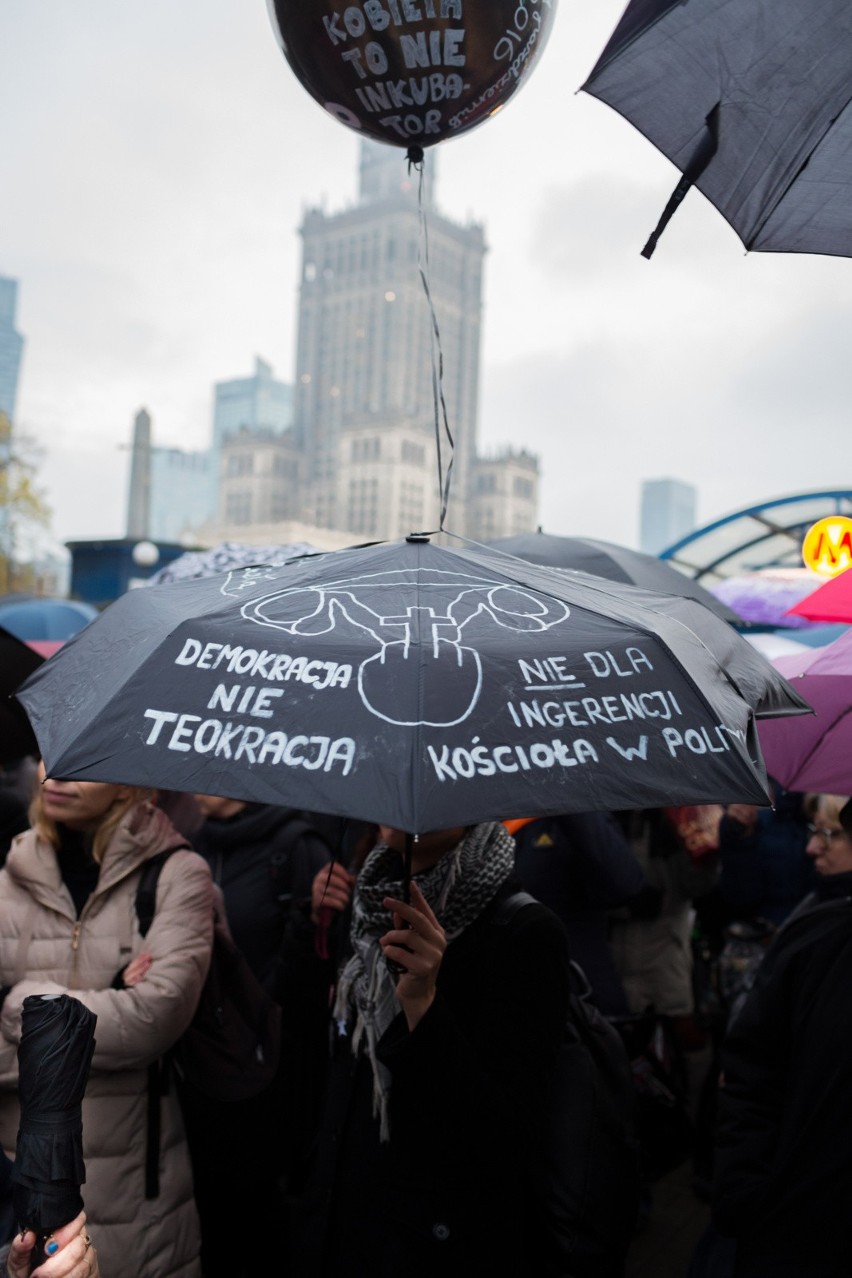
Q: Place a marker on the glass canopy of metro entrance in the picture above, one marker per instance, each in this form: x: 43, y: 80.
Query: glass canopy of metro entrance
x: 768, y: 535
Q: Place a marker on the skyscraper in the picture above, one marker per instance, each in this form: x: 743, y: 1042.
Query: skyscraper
x: 503, y: 498
x: 179, y: 500
x: 169, y: 491
x: 668, y: 513
x: 364, y: 368
x: 11, y: 347
x: 258, y: 404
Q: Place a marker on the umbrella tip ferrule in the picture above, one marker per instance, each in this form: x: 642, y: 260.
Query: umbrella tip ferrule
x: 418, y: 537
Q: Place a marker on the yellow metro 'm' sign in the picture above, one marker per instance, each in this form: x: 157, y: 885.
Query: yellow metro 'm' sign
x: 827, y: 547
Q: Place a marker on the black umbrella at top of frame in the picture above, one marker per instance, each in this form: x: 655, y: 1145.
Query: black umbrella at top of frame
x: 750, y: 100
x: 403, y: 683
x: 613, y: 562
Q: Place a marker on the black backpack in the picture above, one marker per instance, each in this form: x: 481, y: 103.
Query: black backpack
x: 231, y: 1049
x: 587, y: 1181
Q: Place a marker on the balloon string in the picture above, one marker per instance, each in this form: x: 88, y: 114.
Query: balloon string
x: 416, y: 160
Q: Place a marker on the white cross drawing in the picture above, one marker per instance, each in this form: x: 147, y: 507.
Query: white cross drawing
x: 444, y: 604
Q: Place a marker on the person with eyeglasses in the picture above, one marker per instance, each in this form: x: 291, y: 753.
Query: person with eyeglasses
x: 830, y: 844
x: 784, y: 1133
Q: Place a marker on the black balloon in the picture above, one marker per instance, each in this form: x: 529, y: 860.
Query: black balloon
x: 412, y: 72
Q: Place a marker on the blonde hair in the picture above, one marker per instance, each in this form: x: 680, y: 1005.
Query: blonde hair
x: 45, y: 828
x: 830, y: 804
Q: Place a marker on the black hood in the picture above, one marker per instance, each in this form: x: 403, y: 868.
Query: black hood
x: 255, y: 823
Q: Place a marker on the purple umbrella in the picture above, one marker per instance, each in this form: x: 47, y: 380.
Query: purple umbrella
x: 814, y: 752
x: 764, y: 599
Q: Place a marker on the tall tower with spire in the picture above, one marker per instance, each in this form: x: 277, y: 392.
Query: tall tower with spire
x: 364, y: 415
x: 139, y: 496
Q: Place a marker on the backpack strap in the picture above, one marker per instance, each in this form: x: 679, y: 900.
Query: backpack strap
x: 145, y: 904
x: 510, y: 906
x: 146, y: 890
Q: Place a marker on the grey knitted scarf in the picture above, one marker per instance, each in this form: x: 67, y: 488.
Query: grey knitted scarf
x: 458, y: 888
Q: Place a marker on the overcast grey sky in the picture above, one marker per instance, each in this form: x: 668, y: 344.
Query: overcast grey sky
x: 157, y: 158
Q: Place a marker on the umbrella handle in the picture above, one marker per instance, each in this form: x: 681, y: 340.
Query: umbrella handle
x: 406, y: 868
x: 707, y: 147
x: 396, y: 969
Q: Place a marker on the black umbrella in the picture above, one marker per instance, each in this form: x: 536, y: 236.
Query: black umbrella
x: 54, y: 1057
x: 750, y: 100
x: 613, y: 562
x: 755, y: 678
x: 17, y: 661
x: 404, y: 683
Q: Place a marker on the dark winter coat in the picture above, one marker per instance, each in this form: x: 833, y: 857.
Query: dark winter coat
x: 264, y: 859
x: 581, y: 866
x: 784, y: 1151
x: 765, y: 872
x: 447, y: 1195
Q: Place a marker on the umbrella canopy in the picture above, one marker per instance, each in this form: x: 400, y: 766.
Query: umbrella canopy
x: 766, y: 598
x: 224, y: 557
x: 403, y: 683
x: 831, y: 602
x: 614, y: 562
x: 45, y: 647
x: 815, y: 753
x: 750, y: 100
x: 17, y: 661
x: 755, y: 678
x: 54, y: 1057
x: 45, y: 619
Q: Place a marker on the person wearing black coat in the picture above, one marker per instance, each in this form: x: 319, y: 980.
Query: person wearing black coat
x: 264, y: 860
x: 764, y: 868
x: 581, y: 866
x: 433, y: 1105
x: 784, y: 1143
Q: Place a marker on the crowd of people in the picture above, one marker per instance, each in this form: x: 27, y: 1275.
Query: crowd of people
x: 421, y: 1025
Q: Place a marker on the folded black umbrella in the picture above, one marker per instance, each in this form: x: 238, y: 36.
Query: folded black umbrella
x: 54, y: 1057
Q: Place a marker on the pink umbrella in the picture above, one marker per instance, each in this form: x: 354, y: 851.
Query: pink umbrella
x: 814, y: 752
x: 45, y: 647
x: 831, y: 602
